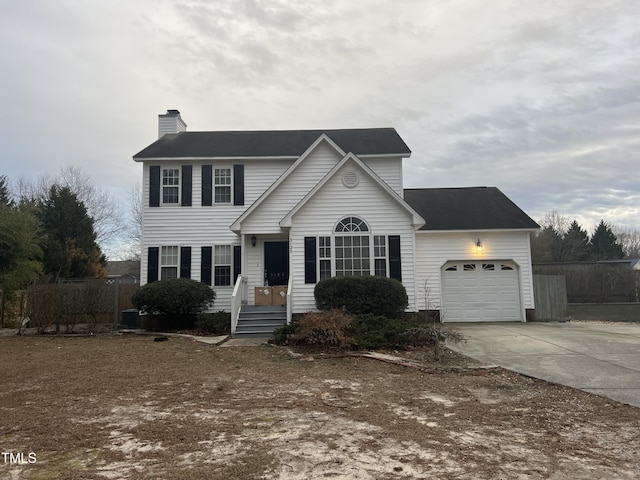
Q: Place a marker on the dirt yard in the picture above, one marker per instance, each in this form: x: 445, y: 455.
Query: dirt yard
x: 126, y: 407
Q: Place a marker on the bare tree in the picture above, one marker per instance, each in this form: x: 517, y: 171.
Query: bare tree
x: 558, y: 222
x: 629, y: 238
x: 102, y: 207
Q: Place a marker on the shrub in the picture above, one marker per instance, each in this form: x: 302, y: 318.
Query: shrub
x: 179, y: 296
x: 218, y: 323
x: 362, y: 295
x: 325, y: 329
x: 372, y: 332
x: 175, y: 301
x: 282, y: 335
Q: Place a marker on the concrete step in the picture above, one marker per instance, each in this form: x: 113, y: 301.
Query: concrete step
x: 260, y: 321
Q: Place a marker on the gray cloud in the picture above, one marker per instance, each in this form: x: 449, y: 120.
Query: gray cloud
x: 541, y: 100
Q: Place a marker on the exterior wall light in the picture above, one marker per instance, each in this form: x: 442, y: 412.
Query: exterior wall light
x: 253, y: 241
x: 479, y: 246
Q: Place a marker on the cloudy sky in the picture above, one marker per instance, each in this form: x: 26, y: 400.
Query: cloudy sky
x: 541, y: 99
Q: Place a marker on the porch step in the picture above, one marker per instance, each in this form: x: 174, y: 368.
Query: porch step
x: 260, y: 321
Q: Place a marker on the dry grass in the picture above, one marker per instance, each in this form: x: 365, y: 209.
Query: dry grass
x: 130, y: 408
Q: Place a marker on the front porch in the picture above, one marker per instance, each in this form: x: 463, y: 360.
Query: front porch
x: 260, y: 321
x: 270, y: 309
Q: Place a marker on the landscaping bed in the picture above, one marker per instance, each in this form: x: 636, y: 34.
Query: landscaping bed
x: 126, y: 407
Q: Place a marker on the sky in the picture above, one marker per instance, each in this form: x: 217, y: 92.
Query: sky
x: 540, y: 99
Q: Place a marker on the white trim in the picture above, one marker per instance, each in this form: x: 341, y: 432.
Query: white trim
x: 200, y: 159
x: 485, y: 230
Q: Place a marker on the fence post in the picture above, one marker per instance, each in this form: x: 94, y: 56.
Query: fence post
x: 116, y: 285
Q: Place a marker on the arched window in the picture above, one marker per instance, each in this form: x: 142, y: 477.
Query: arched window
x: 353, y: 253
x: 351, y: 224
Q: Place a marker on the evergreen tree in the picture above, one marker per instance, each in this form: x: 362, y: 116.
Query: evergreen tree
x: 71, y: 249
x: 20, y: 246
x: 604, y: 243
x: 575, y: 244
x: 5, y: 194
x: 546, y: 245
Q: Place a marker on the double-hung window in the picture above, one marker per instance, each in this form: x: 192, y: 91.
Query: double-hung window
x: 222, y: 265
x: 325, y: 257
x: 380, y: 255
x: 222, y: 185
x: 170, y: 185
x: 169, y: 263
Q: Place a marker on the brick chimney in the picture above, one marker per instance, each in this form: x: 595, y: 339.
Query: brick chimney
x: 170, y: 122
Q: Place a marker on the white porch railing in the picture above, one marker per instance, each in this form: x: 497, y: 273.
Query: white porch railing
x: 289, y: 300
x: 238, y: 298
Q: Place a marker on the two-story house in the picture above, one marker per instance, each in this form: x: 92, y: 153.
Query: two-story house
x: 241, y: 210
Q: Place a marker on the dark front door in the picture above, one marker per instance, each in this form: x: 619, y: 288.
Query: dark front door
x: 276, y: 263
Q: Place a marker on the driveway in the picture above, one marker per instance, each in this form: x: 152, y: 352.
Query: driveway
x: 601, y: 358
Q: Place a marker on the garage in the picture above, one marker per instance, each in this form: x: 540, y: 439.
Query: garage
x: 486, y: 291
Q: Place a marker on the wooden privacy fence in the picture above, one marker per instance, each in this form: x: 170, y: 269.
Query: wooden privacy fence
x: 72, y: 302
x: 550, y: 295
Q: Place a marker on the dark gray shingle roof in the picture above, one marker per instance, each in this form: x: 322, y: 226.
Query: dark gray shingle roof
x: 475, y: 208
x: 276, y: 143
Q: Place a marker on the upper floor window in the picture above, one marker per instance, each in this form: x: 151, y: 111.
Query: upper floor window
x: 170, y: 185
x: 222, y: 185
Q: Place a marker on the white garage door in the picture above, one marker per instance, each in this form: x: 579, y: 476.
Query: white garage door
x: 487, y: 291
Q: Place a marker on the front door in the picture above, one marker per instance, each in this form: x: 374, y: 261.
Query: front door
x: 276, y: 263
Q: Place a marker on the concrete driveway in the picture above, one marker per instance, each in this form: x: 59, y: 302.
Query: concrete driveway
x: 600, y: 358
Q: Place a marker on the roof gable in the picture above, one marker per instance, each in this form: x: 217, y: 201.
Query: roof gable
x: 350, y: 157
x: 236, y: 225
x: 274, y: 143
x: 475, y: 208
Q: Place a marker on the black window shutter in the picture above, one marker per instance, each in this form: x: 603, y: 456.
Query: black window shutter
x: 238, y: 184
x: 154, y: 186
x: 185, y: 262
x: 207, y: 185
x: 187, y: 174
x: 310, y: 260
x: 237, y: 262
x: 205, y: 265
x: 152, y: 264
x: 395, y: 263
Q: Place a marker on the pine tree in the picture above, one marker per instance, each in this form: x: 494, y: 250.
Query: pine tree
x: 5, y: 194
x: 546, y: 245
x: 575, y: 244
x: 604, y: 243
x: 71, y: 249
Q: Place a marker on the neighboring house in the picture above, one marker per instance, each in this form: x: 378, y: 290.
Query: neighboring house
x: 239, y: 210
x: 125, y: 271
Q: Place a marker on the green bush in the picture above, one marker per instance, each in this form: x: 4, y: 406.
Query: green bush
x: 362, y: 295
x: 282, y: 335
x: 372, y: 332
x: 175, y: 302
x: 323, y: 329
x: 218, y: 323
